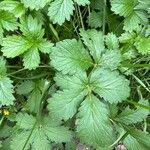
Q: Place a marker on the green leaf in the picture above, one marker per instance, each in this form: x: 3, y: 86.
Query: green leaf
x: 82, y: 2
x: 60, y: 10
x: 123, y: 7
x: 95, y: 19
x: 143, y: 45
x: 35, y: 4
x: 112, y: 41
x: 38, y: 135
x: 13, y: 6
x: 69, y: 56
x: 31, y: 59
x: 2, y: 67
x: 34, y: 100
x: 110, y: 59
x: 64, y: 104
x: 94, y: 40
x: 137, y: 137
x: 8, y: 21
x: 133, y: 17
x: 144, y: 5
x: 110, y: 85
x: 93, y: 126
x: 14, y: 46
x: 22, y: 138
x: 132, y: 144
x: 75, y: 82
x: 129, y: 116
x: 25, y: 121
x: 45, y: 46
x: 6, y: 90
x: 25, y: 87
x: 31, y: 28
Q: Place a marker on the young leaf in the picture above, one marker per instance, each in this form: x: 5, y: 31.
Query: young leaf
x: 14, y: 46
x: 60, y: 10
x: 31, y: 58
x: 6, y: 90
x: 69, y: 56
x: 93, y: 126
x: 110, y: 85
x: 31, y: 28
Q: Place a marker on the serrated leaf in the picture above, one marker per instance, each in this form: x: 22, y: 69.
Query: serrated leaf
x: 132, y: 144
x: 22, y: 138
x: 45, y: 46
x: 14, y: 46
x: 95, y: 19
x: 111, y: 59
x: 31, y: 28
x: 143, y: 45
x: 31, y: 59
x: 40, y: 141
x: 137, y: 136
x: 82, y: 2
x: 25, y: 121
x: 110, y: 85
x: 75, y: 82
x: 93, y: 126
x: 60, y: 10
x: 6, y: 90
x: 8, y: 21
x: 123, y: 7
x: 35, y: 4
x: 112, y: 41
x: 13, y: 6
x: 64, y: 104
x: 94, y: 40
x: 58, y: 134
x: 132, y: 22
x: 129, y: 116
x: 34, y: 132
x: 69, y: 56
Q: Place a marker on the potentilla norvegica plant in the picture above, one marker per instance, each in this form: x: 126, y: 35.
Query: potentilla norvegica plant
x: 74, y: 74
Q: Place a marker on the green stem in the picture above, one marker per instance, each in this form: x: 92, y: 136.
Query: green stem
x: 54, y: 31
x: 29, y: 136
x: 82, y: 24
x: 136, y: 65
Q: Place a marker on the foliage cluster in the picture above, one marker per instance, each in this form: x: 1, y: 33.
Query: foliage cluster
x: 74, y: 71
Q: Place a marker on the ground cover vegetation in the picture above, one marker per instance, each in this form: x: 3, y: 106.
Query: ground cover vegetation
x: 74, y: 72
